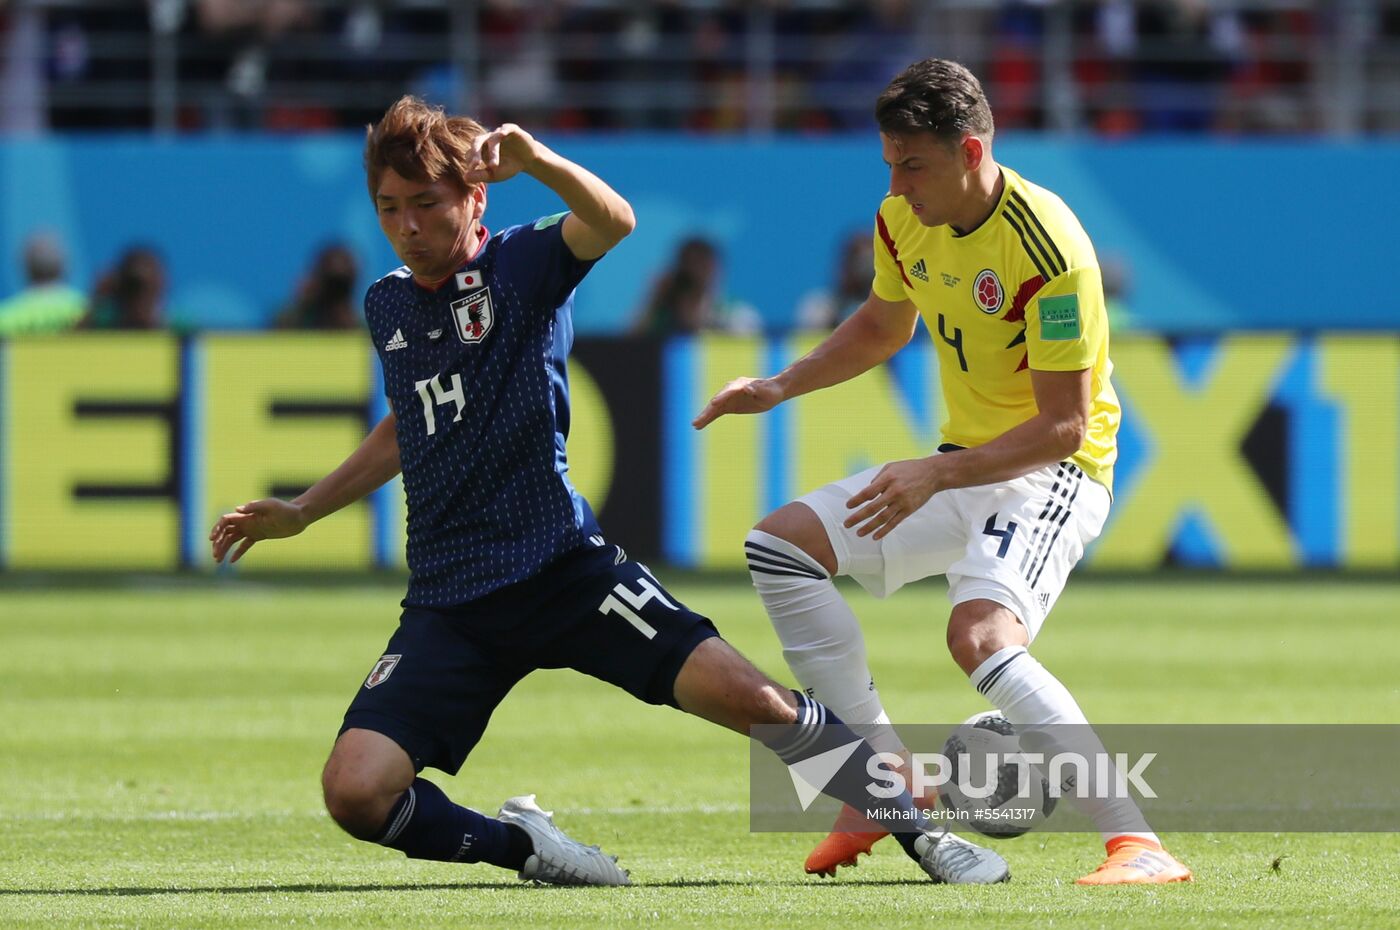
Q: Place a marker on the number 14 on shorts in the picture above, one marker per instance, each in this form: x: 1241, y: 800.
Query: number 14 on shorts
x: 627, y: 603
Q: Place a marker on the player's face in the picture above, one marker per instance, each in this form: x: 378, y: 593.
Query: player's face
x: 431, y: 226
x: 933, y: 178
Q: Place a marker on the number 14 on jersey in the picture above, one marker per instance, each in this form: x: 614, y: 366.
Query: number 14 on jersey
x: 440, y: 395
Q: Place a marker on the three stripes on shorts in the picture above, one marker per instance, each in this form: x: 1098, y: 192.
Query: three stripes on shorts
x: 1056, y: 513
x: 1069, y: 478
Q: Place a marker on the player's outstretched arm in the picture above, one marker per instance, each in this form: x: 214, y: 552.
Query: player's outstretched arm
x: 599, y: 218
x: 875, y: 332
x: 1054, y: 434
x: 369, y: 466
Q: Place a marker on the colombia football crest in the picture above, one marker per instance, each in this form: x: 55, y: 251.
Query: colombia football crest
x: 988, y: 292
x: 382, y: 670
x: 472, y: 315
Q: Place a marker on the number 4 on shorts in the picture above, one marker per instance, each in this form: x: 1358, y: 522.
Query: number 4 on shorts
x: 991, y: 530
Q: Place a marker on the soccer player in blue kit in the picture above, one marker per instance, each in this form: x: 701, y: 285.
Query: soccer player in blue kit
x: 509, y: 569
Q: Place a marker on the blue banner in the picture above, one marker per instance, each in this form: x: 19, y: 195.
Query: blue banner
x: 1203, y: 236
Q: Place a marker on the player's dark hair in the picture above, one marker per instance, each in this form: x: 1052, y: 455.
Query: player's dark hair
x: 935, y: 96
x: 420, y: 143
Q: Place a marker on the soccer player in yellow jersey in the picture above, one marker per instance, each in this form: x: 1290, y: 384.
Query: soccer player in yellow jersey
x: 1009, y: 287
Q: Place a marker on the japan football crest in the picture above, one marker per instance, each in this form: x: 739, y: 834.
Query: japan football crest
x: 472, y: 315
x: 382, y: 670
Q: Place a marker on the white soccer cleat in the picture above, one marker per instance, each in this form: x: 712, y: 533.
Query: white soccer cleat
x: 558, y: 860
x: 947, y: 857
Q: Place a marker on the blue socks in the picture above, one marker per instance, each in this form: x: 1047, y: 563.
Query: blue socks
x: 818, y: 730
x: 425, y: 824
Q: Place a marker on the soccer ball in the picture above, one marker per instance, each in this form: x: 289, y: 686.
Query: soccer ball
x: 982, y: 744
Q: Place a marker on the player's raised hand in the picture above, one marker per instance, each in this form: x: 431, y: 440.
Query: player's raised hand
x: 742, y: 395
x: 899, y: 489
x: 265, y: 519
x: 502, y: 153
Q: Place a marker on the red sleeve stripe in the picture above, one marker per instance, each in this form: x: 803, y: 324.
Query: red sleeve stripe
x: 888, y: 240
x: 1017, y: 313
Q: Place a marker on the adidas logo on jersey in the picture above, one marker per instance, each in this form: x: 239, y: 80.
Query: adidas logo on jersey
x: 920, y: 271
x: 397, y: 342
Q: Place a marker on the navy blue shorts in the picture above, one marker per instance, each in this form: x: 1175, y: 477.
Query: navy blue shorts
x: 593, y: 610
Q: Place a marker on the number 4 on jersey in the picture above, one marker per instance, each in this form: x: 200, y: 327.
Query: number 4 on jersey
x: 955, y: 340
x: 442, y: 395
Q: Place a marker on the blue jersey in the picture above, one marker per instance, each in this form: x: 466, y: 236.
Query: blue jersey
x: 475, y: 373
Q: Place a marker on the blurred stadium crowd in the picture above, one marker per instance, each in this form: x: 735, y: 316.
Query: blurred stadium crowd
x: 685, y: 296
x: 131, y: 294
x: 1108, y: 68
x: 1113, y: 66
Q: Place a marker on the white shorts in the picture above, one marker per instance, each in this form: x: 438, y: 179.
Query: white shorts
x: 1013, y: 543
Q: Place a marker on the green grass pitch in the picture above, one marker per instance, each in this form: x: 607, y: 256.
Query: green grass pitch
x: 160, y: 746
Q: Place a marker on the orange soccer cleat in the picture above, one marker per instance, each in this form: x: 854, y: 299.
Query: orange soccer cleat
x: 1134, y: 860
x: 851, y: 837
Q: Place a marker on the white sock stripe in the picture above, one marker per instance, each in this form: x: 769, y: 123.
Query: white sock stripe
x: 993, y: 660
x: 810, y: 711
x: 401, y: 821
x: 778, y: 561
x: 755, y: 551
x: 991, y: 679
x: 771, y: 566
x: 815, y: 731
x: 805, y: 712
x: 823, y: 645
x: 803, y: 742
x: 777, y: 546
x: 986, y: 674
x: 790, y: 573
x: 811, y: 726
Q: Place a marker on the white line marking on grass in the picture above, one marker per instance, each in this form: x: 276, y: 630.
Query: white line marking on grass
x: 201, y: 816
x: 52, y: 816
x: 662, y: 809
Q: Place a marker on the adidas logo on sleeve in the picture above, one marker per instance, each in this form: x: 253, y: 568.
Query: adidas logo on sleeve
x: 397, y: 342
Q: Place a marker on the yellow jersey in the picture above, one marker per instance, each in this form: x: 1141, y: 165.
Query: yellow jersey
x: 1022, y: 291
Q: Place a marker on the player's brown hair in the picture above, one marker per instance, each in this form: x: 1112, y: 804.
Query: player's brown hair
x: 421, y: 143
x: 935, y: 96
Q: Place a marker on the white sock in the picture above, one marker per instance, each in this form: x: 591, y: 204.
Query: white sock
x: 1037, y: 704
x: 821, y: 637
